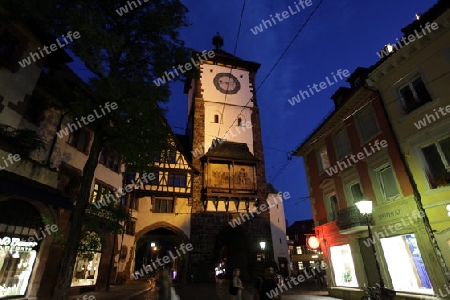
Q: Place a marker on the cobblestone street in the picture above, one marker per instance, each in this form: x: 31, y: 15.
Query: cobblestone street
x: 219, y: 291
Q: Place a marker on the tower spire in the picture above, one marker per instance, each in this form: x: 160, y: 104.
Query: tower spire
x: 217, y: 41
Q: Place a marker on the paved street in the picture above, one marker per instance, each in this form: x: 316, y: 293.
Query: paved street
x: 220, y: 292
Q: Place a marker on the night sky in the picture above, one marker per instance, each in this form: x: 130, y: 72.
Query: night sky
x: 340, y: 35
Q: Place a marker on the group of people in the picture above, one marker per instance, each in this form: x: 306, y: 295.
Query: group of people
x: 265, y: 283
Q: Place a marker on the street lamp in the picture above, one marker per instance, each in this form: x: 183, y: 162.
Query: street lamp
x: 365, y: 208
x: 263, y: 247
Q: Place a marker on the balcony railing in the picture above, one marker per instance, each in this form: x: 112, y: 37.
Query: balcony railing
x: 350, y: 217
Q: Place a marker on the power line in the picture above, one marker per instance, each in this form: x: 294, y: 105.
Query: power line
x: 231, y: 70
x: 279, y: 59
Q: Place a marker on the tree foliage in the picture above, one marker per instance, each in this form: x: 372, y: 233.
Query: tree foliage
x: 124, y: 54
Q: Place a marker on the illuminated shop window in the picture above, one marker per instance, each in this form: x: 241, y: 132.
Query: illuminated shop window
x: 405, y: 264
x: 344, y: 269
x: 20, y: 241
x: 87, y: 262
x: 16, y: 265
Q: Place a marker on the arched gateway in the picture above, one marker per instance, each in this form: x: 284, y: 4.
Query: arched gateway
x: 160, y: 246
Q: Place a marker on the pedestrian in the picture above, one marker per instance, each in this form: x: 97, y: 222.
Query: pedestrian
x: 267, y: 283
x: 163, y: 285
x: 236, y: 285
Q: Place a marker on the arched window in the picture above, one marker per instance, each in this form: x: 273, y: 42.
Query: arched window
x: 216, y: 118
x: 239, y: 122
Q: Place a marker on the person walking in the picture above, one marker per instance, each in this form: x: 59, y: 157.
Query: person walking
x: 163, y: 285
x: 237, y: 285
x: 267, y: 283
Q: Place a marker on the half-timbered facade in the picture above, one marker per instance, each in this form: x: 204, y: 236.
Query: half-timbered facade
x: 160, y: 209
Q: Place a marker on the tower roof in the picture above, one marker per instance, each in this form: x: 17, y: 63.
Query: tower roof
x: 231, y: 150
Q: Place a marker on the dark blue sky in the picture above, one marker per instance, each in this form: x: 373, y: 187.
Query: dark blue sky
x: 340, y: 35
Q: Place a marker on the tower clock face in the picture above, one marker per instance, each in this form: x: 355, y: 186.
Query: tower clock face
x: 227, y: 83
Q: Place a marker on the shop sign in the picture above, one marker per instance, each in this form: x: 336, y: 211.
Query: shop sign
x: 15, y: 244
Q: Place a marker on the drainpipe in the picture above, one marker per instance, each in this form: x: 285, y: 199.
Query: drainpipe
x: 416, y: 192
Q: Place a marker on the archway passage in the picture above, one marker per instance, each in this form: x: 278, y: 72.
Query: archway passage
x: 161, y: 249
x: 232, y: 251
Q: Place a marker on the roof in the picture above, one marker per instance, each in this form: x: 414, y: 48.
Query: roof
x: 429, y: 16
x: 231, y: 150
x: 271, y: 189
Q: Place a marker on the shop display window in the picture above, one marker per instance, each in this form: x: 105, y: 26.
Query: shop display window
x: 343, y: 266
x: 16, y: 265
x: 86, y: 268
x: 405, y: 264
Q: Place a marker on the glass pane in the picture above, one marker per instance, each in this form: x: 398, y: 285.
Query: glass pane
x: 344, y: 268
x: 368, y: 124
x: 342, y: 143
x: 421, y: 91
x: 157, y: 205
x: 445, y: 148
x: 324, y: 160
x: 436, y: 169
x: 388, y: 183
x: 408, y: 98
x: 169, y: 206
x: 356, y: 192
x: 86, y: 268
x: 405, y: 264
x: 17, y: 267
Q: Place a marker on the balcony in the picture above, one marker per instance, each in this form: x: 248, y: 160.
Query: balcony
x: 350, y: 220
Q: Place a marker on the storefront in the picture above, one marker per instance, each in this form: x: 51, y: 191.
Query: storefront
x: 343, y: 266
x: 405, y: 264
x: 19, y: 246
x: 87, y: 264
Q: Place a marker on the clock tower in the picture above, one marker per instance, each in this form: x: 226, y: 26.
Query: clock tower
x: 224, y: 130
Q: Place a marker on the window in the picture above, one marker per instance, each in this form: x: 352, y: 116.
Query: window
x: 414, y: 95
x: 437, y: 157
x: 300, y: 265
x: 177, y: 180
x: 323, y: 160
x: 298, y: 250
x: 170, y: 156
x: 130, y: 227
x: 216, y: 119
x: 239, y: 122
x: 344, y: 268
x: 387, y: 182
x: 163, y: 205
x: 342, y: 144
x: 87, y: 262
x: 100, y: 190
x: 110, y: 159
x: 80, y: 139
x: 367, y: 124
x: 403, y: 251
x: 281, y: 241
x: 333, y: 206
x: 356, y: 193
